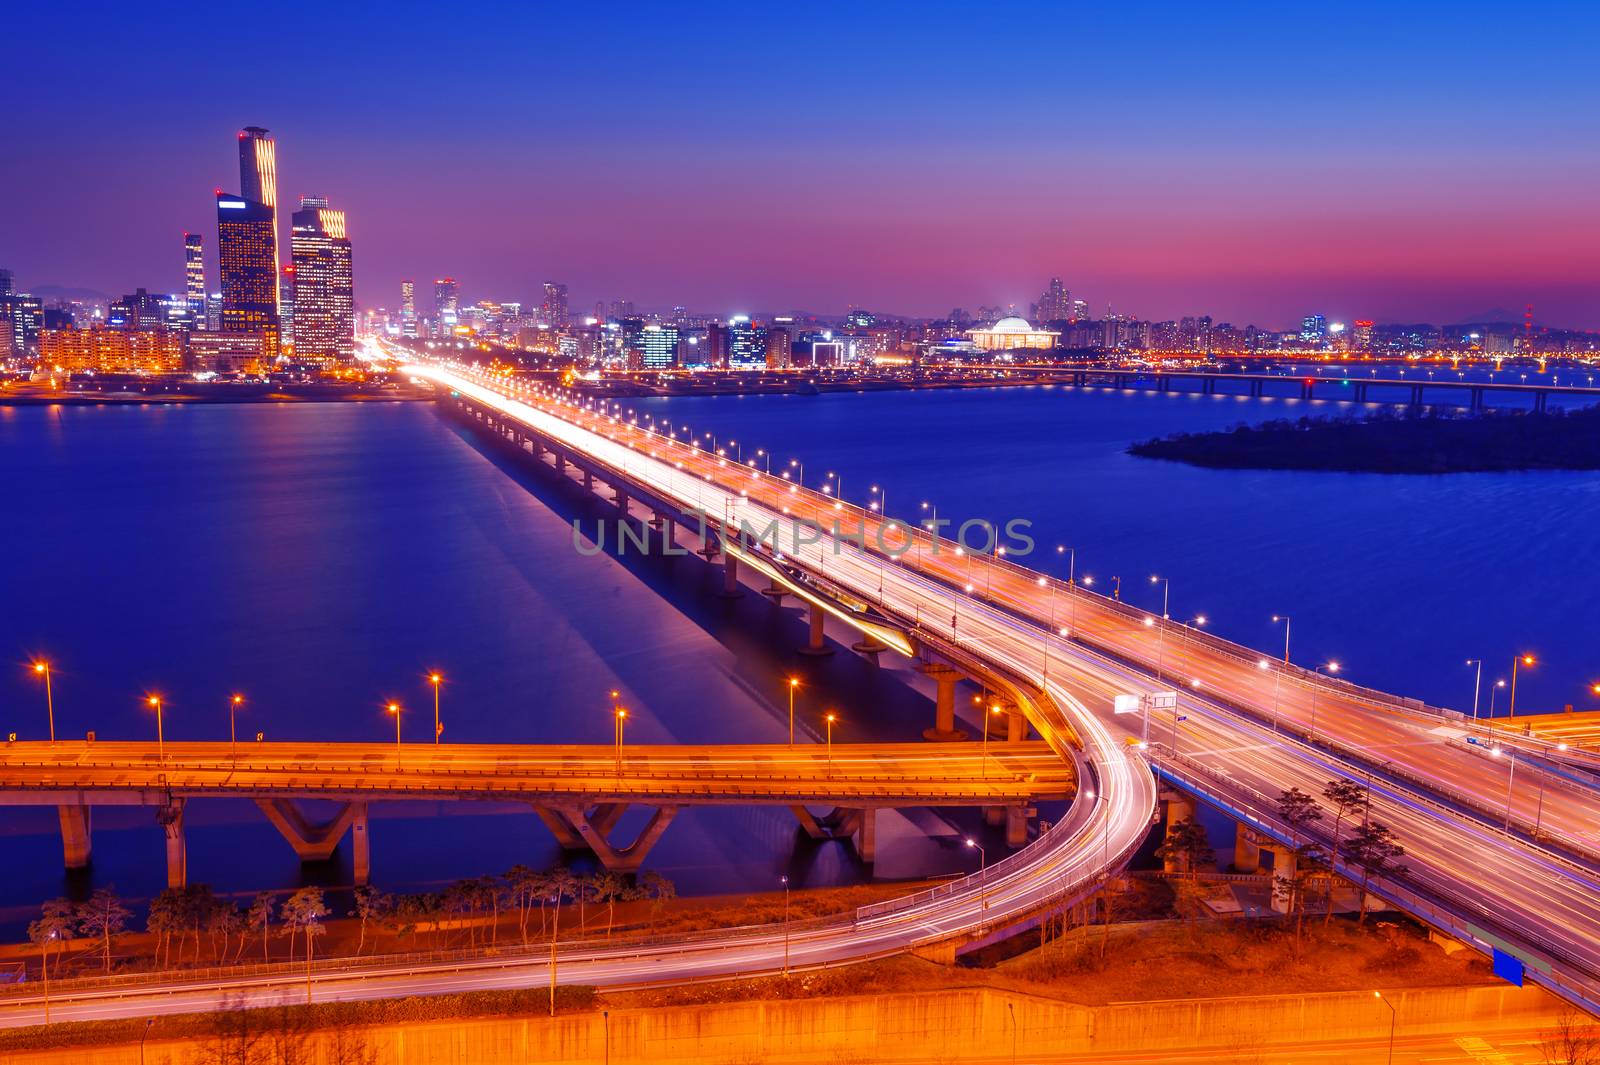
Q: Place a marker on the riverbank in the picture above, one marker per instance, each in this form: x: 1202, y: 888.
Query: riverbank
x: 225, y: 393
x: 1416, y: 441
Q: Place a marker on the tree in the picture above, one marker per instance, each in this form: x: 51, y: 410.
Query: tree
x: 300, y: 911
x: 260, y: 916
x: 1575, y: 1040
x: 371, y: 905
x: 164, y: 917
x: 1373, y: 849
x: 1347, y: 797
x: 525, y: 886
x: 227, y: 921
x: 1187, y: 845
x: 1299, y: 812
x: 197, y: 905
x: 102, y: 918
x: 57, y: 920
x: 658, y: 889
x: 608, y: 887
x: 559, y: 884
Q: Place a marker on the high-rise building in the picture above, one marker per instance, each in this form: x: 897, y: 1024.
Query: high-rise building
x: 6, y: 282
x: 715, y: 353
x: 112, y: 350
x: 553, y: 311
x: 248, y: 267
x: 1361, y: 336
x: 258, y: 178
x: 324, y: 290
x: 1055, y: 305
x: 21, y: 318
x: 194, y: 273
x: 446, y: 300
x: 1313, y: 329
x: 286, y: 304
x: 779, y: 347
x: 747, y: 342
x: 651, y: 346
x: 408, y: 308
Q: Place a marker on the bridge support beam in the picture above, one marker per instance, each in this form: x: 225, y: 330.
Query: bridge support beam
x: 730, y: 577
x: 620, y: 498
x: 1016, y: 726
x: 818, y: 643
x: 1246, y: 850
x: 945, y: 679
x: 316, y: 843
x: 75, y: 843
x: 867, y: 836
x: 170, y: 818
x: 775, y: 592
x: 561, y: 462
x: 565, y: 836
x: 856, y: 824
x: 1283, y: 864
x: 1179, y: 808
x: 1016, y: 826
x: 588, y: 480
x: 593, y: 829
x: 870, y: 646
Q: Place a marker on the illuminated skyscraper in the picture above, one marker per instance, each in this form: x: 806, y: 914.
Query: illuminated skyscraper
x: 258, y: 176
x: 324, y: 302
x: 194, y: 273
x: 408, y: 308
x: 248, y: 267
x: 446, y: 298
x: 286, y: 304
x: 1055, y: 305
x: 553, y: 312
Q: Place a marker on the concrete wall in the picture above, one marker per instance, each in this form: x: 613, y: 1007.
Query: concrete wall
x: 948, y: 1025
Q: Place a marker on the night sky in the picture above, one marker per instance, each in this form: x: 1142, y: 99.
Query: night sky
x: 1256, y: 163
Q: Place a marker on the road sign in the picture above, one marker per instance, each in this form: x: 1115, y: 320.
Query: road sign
x: 1508, y: 967
x: 1126, y: 704
x: 1163, y: 700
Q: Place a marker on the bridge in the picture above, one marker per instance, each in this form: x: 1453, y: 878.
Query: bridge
x: 1500, y: 835
x: 579, y: 792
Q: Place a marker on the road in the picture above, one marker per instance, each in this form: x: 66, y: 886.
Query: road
x: 886, y: 774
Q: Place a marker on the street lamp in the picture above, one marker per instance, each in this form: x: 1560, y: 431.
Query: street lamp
x: 436, y: 678
x: 1477, y: 685
x: 1520, y: 660
x: 794, y: 682
x: 233, y: 732
x: 1072, y: 561
x: 1494, y: 691
x: 785, y: 925
x: 983, y: 757
x: 161, y: 748
x: 1394, y: 1015
x: 983, y: 856
x: 394, y: 708
x: 1332, y: 668
x: 622, y: 718
x: 1286, y: 622
x: 42, y: 668
x: 1166, y: 590
x: 830, y: 719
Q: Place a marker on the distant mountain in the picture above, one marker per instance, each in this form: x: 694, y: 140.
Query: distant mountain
x: 63, y: 293
x: 1498, y: 316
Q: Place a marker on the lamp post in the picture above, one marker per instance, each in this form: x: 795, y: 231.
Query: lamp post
x: 1286, y: 624
x: 161, y: 743
x: 42, y: 668
x: 233, y: 732
x: 1166, y: 591
x: 1477, y: 685
x: 1332, y: 668
x: 1520, y: 660
x: 794, y: 682
x: 1494, y: 690
x: 830, y: 719
x: 1394, y: 1016
x: 622, y: 718
x: 1277, y: 683
x: 983, y: 856
x: 785, y: 925
x: 983, y: 757
x: 1072, y: 562
x: 394, y: 708
x: 436, y: 678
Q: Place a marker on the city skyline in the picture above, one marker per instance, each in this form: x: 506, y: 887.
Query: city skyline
x: 945, y: 164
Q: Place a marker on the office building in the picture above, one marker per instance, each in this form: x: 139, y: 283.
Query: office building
x: 714, y: 352
x: 779, y: 347
x: 651, y: 346
x: 408, y: 308
x: 747, y: 342
x: 1055, y: 304
x: 258, y: 179
x: 224, y: 352
x: 21, y: 317
x: 1313, y: 329
x: 248, y: 267
x: 324, y: 292
x: 194, y: 273
x: 446, y: 305
x: 553, y: 311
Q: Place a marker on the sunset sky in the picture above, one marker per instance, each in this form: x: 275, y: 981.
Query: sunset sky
x: 1255, y: 163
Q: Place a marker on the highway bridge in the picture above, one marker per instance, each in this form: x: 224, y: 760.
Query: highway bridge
x: 580, y: 792
x: 1499, y: 857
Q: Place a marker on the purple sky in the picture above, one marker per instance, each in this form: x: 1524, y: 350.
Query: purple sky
x: 1256, y: 164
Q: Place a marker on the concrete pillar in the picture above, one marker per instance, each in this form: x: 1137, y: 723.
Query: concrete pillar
x: 1016, y: 826
x: 1246, y: 850
x: 867, y: 835
x: 360, y: 846
x: 945, y: 679
x: 620, y: 498
x: 75, y: 835
x: 588, y: 480
x: 818, y: 644
x: 1178, y: 808
x: 1283, y: 864
x: 730, y: 577
x: 870, y: 646
x: 1016, y: 727
x: 170, y: 818
x: 561, y: 463
x: 776, y: 593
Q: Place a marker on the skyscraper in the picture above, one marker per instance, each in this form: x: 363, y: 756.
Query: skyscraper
x: 258, y: 178
x: 286, y: 304
x: 324, y: 301
x: 1055, y: 305
x: 194, y: 273
x: 248, y: 266
x: 553, y: 312
x: 446, y: 297
x: 408, y: 308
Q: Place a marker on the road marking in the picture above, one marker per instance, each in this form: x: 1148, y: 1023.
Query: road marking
x: 1482, y: 1051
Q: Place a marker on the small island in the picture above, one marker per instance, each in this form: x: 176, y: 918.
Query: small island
x: 1425, y: 440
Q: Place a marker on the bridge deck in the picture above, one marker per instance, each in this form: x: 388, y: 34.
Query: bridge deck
x: 944, y: 774
x: 1579, y: 729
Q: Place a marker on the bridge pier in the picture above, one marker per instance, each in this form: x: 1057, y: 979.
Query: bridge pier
x: 870, y: 646
x: 775, y: 592
x: 857, y: 824
x: 561, y: 463
x: 730, y: 578
x: 588, y: 480
x: 867, y: 835
x: 593, y: 829
x: 945, y: 679
x: 1257, y: 388
x: 1016, y: 826
x: 1416, y: 395
x: 1283, y: 865
x: 1246, y: 850
x: 1306, y: 389
x: 1476, y: 402
x: 75, y: 841
x: 1540, y: 401
x: 170, y: 818
x: 316, y: 843
x: 818, y: 644
x: 1177, y: 808
x: 620, y: 498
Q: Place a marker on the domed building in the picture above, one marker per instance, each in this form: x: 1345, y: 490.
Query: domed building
x: 1011, y: 333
